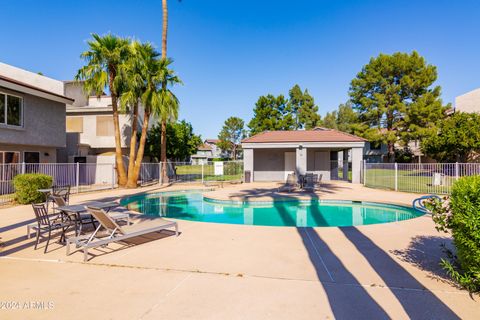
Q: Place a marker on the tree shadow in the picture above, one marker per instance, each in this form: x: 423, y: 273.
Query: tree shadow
x: 425, y: 253
x: 421, y: 305
x: 346, y: 302
x: 351, y: 301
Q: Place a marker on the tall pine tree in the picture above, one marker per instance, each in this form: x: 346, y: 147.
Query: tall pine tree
x: 394, y: 96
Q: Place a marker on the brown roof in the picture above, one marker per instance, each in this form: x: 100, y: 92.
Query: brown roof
x: 318, y: 135
x: 204, y: 147
x: 26, y: 85
x: 213, y: 141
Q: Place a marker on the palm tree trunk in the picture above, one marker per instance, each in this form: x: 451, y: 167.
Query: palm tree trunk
x: 163, y: 150
x: 132, y: 182
x: 164, y: 29
x: 122, y: 176
x: 163, y: 141
x: 141, y: 149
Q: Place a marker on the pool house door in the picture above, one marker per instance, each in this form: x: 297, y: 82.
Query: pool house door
x: 290, y: 163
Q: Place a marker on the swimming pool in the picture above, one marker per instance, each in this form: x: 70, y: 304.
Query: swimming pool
x: 191, y: 205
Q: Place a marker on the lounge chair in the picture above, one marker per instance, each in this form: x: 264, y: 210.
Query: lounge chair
x: 312, y: 182
x: 290, y: 184
x: 213, y: 183
x: 116, y: 233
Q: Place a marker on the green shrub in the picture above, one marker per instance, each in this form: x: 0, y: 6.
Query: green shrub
x: 460, y: 215
x: 26, y: 186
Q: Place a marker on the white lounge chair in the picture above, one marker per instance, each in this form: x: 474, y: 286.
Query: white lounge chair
x: 312, y: 182
x: 116, y: 233
x: 290, y: 184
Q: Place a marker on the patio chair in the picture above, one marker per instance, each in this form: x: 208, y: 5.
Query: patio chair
x: 45, y: 223
x: 82, y: 218
x: 312, y: 182
x: 62, y: 191
x: 116, y: 233
x: 290, y: 184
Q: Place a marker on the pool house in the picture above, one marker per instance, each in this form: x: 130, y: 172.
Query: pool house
x: 272, y: 155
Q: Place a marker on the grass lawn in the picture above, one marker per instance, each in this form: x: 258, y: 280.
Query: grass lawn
x: 419, y: 181
x: 194, y: 172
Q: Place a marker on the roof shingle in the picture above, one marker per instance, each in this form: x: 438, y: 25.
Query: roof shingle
x: 323, y: 135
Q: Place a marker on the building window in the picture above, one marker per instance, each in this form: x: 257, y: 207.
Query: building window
x: 9, y: 157
x: 31, y: 157
x: 11, y: 112
x: 105, y: 126
x: 74, y: 124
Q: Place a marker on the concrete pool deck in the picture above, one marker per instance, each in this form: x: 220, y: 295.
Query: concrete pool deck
x: 221, y: 271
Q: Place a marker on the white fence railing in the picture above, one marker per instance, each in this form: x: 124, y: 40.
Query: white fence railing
x: 96, y: 176
x: 434, y: 178
x: 80, y: 176
x: 200, y: 173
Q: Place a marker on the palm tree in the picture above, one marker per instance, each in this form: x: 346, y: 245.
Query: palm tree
x: 146, y: 76
x: 103, y: 59
x: 164, y: 28
x: 163, y: 128
x: 130, y: 79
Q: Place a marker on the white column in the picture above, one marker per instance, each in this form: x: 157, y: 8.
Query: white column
x: 248, y: 162
x: 357, y: 157
x: 301, y: 160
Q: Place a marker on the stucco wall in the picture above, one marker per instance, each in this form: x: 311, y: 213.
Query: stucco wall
x: 269, y: 164
x: 468, y: 102
x: 74, y: 90
x: 89, y: 134
x: 43, y: 123
x: 47, y: 154
x: 318, y: 161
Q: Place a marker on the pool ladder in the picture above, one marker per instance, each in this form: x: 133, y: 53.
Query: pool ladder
x: 418, y: 204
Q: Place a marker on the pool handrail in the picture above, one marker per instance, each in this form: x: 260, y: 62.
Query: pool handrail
x: 418, y: 203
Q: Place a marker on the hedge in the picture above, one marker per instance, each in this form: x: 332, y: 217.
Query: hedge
x: 27, y: 185
x: 460, y: 215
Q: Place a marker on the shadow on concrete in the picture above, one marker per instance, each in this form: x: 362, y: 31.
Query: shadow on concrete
x: 350, y: 301
x: 417, y: 301
x: 346, y: 302
x: 349, y: 298
x: 425, y: 253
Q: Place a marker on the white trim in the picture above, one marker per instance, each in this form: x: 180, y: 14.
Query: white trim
x: 271, y: 145
x: 31, y: 91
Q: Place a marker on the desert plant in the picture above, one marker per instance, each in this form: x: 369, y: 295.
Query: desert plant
x: 27, y: 185
x: 460, y: 215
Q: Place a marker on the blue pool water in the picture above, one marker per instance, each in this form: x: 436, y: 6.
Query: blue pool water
x: 190, y: 205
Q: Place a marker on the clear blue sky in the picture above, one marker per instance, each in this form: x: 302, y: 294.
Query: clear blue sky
x: 230, y: 52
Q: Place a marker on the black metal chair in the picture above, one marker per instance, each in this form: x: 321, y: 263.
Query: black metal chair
x: 62, y: 191
x: 46, y: 223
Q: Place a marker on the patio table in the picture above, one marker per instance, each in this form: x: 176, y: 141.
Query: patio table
x: 77, y: 209
x: 47, y: 192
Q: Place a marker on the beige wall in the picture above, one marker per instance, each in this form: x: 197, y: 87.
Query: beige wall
x: 468, y: 102
x: 89, y: 136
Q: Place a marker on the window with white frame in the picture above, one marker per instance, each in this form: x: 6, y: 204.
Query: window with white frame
x: 11, y: 110
x: 9, y: 157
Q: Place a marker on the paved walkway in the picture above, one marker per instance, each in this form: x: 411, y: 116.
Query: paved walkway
x: 221, y: 271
